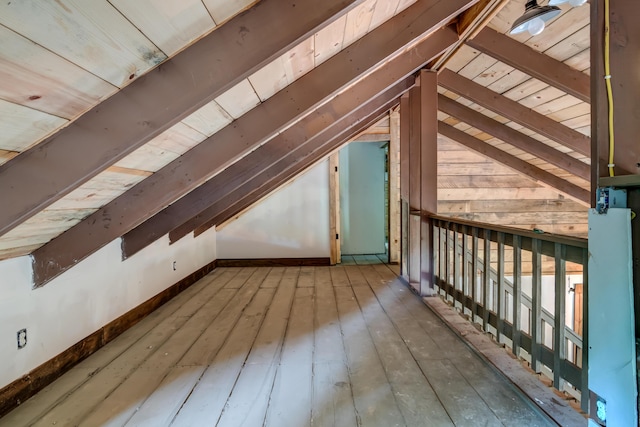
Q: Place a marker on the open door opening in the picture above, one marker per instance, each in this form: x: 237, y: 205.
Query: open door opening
x: 364, y: 201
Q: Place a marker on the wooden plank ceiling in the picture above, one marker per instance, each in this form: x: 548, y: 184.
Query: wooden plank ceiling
x: 58, y: 59
x: 477, y: 188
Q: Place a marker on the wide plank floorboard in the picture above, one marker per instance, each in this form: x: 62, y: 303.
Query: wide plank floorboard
x: 285, y: 346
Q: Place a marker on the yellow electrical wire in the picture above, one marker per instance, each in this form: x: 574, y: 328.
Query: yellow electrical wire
x: 607, y: 79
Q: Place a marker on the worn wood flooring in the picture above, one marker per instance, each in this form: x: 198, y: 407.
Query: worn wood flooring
x: 296, y: 346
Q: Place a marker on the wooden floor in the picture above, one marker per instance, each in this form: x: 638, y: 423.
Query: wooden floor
x: 326, y: 346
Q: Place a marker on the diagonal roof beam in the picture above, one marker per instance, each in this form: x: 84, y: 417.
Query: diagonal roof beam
x: 533, y: 63
x: 245, y: 134
x: 265, y: 183
x: 306, y: 131
x: 516, y: 112
x: 573, y: 191
x: 156, y: 101
x: 513, y: 137
x: 290, y: 144
x: 266, y: 189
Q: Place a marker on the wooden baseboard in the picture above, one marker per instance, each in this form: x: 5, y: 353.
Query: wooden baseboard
x: 275, y: 262
x: 23, y: 388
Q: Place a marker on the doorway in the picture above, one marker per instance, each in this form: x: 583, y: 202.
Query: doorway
x: 364, y: 202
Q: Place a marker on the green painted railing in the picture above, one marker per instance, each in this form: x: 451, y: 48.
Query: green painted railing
x: 525, y: 271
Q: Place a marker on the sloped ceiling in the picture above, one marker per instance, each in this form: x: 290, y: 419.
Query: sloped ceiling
x: 60, y: 59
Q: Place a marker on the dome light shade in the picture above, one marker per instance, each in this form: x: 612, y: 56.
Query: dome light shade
x: 574, y: 3
x: 534, y: 18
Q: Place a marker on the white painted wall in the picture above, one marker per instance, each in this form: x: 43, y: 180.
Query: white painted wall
x: 292, y: 222
x: 87, y: 297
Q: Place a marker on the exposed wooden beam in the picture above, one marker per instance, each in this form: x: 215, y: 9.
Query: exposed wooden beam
x: 252, y: 197
x: 625, y: 87
x: 573, y: 191
x: 413, y: 254
x: 251, y: 130
x: 265, y: 162
x: 470, y: 23
x: 533, y: 63
x: 516, y: 112
x: 428, y: 177
x: 372, y: 137
x: 515, y: 138
x: 191, y: 209
x: 405, y: 113
x: 156, y: 101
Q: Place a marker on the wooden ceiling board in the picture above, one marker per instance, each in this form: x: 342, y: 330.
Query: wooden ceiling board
x: 509, y: 81
x: 239, y: 99
x: 482, y: 181
x: 111, y: 179
x: 300, y: 60
x: 49, y: 223
x: 519, y: 205
x: 89, y: 198
x: 178, y: 139
x: 208, y: 119
x: 571, y: 46
x: 477, y: 66
x: 358, y: 21
x: 383, y: 11
x: 38, y: 78
x: 90, y: 33
x: 581, y: 61
x: 269, y: 79
x: 171, y: 25
x: 329, y: 40
x: 540, y: 193
x: 463, y: 56
x: 148, y: 158
x: 22, y: 127
x: 223, y: 10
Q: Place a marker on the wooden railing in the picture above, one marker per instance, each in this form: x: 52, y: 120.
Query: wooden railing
x: 516, y: 284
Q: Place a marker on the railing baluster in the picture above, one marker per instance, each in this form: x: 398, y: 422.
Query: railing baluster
x: 456, y: 264
x: 490, y: 291
x: 465, y: 269
x: 474, y: 267
x: 536, y: 309
x: 584, y: 389
x: 559, y: 340
x: 443, y: 259
x: 517, y: 296
x: 500, y: 283
x: 486, y: 279
x: 435, y: 231
x: 447, y: 260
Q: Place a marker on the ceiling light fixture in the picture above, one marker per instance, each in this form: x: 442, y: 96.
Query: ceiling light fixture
x: 534, y: 18
x: 574, y: 3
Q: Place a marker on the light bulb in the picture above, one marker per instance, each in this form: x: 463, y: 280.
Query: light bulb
x: 536, y: 26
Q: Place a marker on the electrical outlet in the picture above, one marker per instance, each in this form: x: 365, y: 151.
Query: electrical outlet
x: 22, y: 338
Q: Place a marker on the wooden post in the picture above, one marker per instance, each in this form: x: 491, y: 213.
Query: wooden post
x: 536, y: 306
x: 414, y: 189
x: 334, y: 209
x: 500, y: 311
x: 404, y: 183
x: 559, y: 345
x: 394, y: 187
x: 428, y: 177
x: 517, y: 296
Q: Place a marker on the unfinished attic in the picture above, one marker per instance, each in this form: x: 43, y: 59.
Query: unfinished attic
x: 319, y: 213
